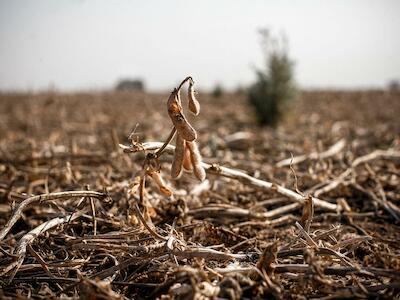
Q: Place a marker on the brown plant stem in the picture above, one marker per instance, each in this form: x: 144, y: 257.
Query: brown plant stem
x: 28, y: 238
x: 41, y: 198
x: 245, y: 178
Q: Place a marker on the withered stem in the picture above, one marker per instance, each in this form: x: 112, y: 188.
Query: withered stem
x: 139, y: 214
x: 184, y: 81
x: 169, y: 139
x: 41, y: 198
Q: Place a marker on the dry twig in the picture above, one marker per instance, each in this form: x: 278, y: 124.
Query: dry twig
x: 42, y: 198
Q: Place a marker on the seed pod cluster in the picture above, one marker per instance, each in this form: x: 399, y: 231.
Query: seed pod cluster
x: 187, y: 154
x: 178, y: 118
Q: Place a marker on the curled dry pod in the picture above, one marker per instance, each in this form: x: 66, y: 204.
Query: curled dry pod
x: 182, y: 126
x: 176, y: 168
x: 308, y: 213
x: 195, y: 158
x: 187, y: 163
x: 156, y: 176
x: 194, y: 105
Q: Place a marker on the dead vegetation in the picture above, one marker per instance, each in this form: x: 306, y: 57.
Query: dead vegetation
x: 309, y: 210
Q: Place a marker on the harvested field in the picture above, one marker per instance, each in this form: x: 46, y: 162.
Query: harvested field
x: 324, y: 223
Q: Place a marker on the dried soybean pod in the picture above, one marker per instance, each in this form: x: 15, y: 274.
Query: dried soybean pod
x: 176, y: 168
x: 182, y: 126
x: 156, y: 176
x: 187, y: 163
x: 178, y: 98
x: 194, y: 105
x: 195, y: 158
x: 308, y: 213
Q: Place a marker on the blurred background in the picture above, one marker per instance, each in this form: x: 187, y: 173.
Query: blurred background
x: 80, y: 45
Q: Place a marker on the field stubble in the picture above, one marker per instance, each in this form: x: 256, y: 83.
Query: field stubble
x: 227, y: 238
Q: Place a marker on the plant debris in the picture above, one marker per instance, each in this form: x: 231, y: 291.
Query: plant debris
x: 91, y: 209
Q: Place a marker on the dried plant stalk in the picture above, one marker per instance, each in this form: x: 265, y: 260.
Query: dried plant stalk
x: 175, y: 112
x: 333, y: 150
x: 194, y: 105
x: 305, y: 234
x: 179, y: 154
x: 195, y: 158
x: 42, y: 198
x: 28, y: 238
x: 156, y: 176
x: 243, y: 177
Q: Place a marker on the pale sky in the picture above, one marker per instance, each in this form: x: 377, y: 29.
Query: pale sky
x: 88, y: 44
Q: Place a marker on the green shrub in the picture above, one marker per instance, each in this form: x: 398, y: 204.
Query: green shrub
x: 274, y: 86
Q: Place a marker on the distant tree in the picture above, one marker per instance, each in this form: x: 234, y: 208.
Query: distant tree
x: 394, y: 85
x: 239, y: 90
x: 130, y: 85
x: 274, y: 86
x: 217, y: 91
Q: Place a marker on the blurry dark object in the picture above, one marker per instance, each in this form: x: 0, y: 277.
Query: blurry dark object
x: 394, y: 85
x: 218, y: 91
x: 239, y: 90
x: 274, y: 86
x: 130, y: 85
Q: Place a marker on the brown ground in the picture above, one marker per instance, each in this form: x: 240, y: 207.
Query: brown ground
x: 56, y: 142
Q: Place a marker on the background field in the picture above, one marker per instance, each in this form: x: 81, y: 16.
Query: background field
x: 55, y: 142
